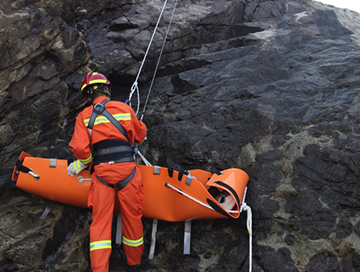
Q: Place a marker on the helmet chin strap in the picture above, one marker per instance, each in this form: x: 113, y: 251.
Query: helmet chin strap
x: 99, y: 89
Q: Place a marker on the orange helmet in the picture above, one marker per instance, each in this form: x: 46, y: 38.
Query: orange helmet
x: 97, y: 79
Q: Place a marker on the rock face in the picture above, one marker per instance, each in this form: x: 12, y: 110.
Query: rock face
x: 271, y: 87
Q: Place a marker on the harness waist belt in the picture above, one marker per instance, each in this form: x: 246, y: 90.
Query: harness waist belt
x: 122, y: 183
x: 125, y: 159
x: 114, y: 151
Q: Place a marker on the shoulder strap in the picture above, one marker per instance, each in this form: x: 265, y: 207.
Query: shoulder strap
x: 100, y: 109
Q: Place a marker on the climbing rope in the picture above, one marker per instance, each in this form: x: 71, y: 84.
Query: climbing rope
x: 244, y: 207
x: 247, y: 208
x: 158, y: 62
x: 146, y: 162
x: 135, y: 86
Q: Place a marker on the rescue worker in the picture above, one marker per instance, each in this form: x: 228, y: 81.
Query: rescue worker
x: 114, y: 170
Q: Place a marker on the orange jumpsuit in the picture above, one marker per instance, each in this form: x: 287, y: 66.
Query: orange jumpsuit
x: 101, y: 197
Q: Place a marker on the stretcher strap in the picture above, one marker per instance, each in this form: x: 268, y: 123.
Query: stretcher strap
x: 188, y: 180
x: 24, y: 169
x: 168, y: 185
x: 21, y: 167
x: 52, y: 163
x: 230, y: 189
x: 153, y: 239
x: 157, y: 170
x: 180, y: 175
x: 170, y: 172
x: 118, y: 238
x: 187, y: 237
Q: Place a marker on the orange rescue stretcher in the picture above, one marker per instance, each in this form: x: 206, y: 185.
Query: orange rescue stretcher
x: 168, y: 195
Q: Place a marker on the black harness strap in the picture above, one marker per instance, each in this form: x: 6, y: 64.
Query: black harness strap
x: 121, y: 184
x: 100, y: 109
x: 112, y: 150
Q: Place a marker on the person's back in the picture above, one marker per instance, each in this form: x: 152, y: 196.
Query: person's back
x: 114, y: 169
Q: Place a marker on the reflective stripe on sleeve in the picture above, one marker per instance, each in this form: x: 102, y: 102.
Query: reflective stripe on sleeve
x: 133, y: 243
x: 100, y: 245
x: 88, y: 160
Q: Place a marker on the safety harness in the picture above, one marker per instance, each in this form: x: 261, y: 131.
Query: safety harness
x: 111, y: 151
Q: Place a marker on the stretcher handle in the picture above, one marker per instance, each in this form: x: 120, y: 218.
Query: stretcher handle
x: 36, y: 176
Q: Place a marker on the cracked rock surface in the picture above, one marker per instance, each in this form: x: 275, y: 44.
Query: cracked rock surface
x: 271, y: 87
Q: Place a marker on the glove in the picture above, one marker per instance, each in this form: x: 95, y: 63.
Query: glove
x: 75, y: 168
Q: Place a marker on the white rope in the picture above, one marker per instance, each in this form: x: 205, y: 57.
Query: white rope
x: 243, y: 199
x: 135, y: 87
x: 158, y: 62
x: 247, y: 208
x: 184, y: 194
x: 244, y: 207
x: 194, y: 199
x: 147, y: 163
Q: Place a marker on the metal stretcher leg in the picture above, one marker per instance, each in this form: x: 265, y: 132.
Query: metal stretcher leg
x: 187, y: 237
x: 153, y: 239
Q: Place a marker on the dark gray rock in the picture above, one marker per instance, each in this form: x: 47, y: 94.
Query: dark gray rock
x: 268, y: 87
x: 343, y: 228
x: 276, y: 260
x: 323, y: 262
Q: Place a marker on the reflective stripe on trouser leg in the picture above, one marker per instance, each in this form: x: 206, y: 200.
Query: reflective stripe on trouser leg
x: 103, y: 198
x: 131, y: 206
x: 100, y: 245
x: 133, y: 243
